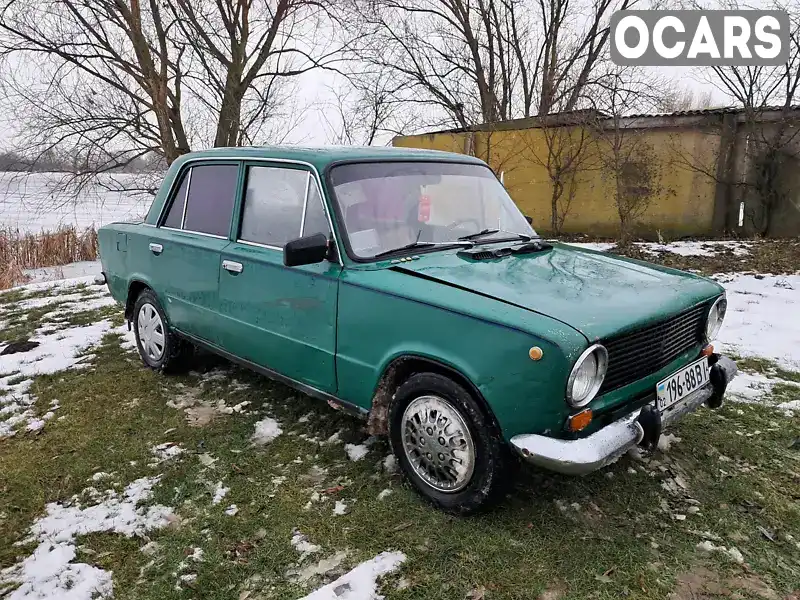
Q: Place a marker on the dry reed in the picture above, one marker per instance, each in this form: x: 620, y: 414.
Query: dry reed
x: 20, y: 250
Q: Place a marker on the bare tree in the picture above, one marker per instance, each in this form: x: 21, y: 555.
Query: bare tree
x: 363, y: 111
x: 468, y: 62
x: 679, y: 99
x: 627, y: 159
x: 766, y: 136
x: 116, y: 80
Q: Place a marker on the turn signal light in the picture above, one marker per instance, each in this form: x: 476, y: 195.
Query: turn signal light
x: 707, y: 351
x: 580, y: 421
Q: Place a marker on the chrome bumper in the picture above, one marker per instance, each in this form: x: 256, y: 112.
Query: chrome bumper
x: 578, y: 457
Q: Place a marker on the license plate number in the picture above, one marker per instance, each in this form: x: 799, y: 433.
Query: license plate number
x: 682, y: 383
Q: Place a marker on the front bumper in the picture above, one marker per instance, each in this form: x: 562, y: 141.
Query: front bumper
x: 578, y: 457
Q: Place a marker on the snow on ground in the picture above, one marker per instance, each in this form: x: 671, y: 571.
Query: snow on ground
x: 219, y: 493
x: 86, y: 268
x: 361, y: 583
x: 356, y: 452
x: 763, y: 318
x: 302, y: 545
x: 57, y: 351
x: 166, y: 451
x: 710, y: 248
x: 267, y: 429
x: 50, y: 573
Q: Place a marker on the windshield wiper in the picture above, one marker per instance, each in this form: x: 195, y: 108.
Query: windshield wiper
x: 414, y: 245
x: 473, y: 236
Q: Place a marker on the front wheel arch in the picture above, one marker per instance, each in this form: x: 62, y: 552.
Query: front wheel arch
x: 398, y: 371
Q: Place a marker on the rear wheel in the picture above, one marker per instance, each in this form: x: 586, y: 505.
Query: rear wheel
x: 449, y: 450
x: 159, y: 348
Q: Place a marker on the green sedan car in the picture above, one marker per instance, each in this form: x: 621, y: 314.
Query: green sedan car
x: 405, y: 286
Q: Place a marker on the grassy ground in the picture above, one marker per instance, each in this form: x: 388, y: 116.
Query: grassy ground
x: 764, y: 256
x: 628, y: 531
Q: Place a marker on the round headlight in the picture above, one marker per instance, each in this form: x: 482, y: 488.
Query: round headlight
x: 587, y: 376
x: 715, y: 317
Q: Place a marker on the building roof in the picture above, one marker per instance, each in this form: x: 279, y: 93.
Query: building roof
x: 584, y: 116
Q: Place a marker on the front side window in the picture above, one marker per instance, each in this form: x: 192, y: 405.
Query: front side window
x: 387, y: 205
x: 281, y: 205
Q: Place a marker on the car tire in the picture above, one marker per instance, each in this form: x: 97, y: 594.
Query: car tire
x: 159, y: 347
x: 467, y: 472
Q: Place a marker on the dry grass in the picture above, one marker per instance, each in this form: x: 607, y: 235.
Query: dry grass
x: 20, y: 251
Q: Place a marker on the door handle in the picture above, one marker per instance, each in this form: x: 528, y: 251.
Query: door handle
x: 231, y: 266
x: 156, y: 248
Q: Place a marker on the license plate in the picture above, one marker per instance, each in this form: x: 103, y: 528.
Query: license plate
x: 682, y: 383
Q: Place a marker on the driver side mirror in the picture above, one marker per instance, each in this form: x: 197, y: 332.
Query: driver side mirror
x: 307, y: 250
x: 528, y: 219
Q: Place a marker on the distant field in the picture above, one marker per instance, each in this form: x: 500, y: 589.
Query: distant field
x: 37, y: 202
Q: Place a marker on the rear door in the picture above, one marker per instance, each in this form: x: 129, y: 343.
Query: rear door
x: 185, y: 248
x: 281, y: 318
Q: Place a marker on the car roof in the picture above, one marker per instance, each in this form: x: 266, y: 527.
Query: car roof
x: 323, y: 156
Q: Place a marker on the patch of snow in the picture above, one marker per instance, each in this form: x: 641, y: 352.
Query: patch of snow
x: 127, y: 337
x: 763, y: 318
x: 356, y: 452
x: 340, y: 508
x: 666, y: 440
x: 318, y: 569
x: 302, y: 545
x: 390, y: 463
x: 384, y: 493
x: 361, y: 583
x: 83, y: 268
x: 334, y: 439
x: 232, y: 510
x: 196, y: 555
x: 219, y: 493
x: 100, y: 475
x: 267, y: 430
x: 733, y: 553
x: 791, y: 406
x: 50, y: 573
x: 207, y: 460
x: 56, y: 351
x: 165, y: 451
x: 707, y: 248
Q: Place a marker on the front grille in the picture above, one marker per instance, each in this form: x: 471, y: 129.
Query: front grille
x: 635, y: 355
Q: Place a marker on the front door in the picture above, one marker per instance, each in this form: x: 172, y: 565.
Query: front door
x: 185, y: 249
x: 281, y: 318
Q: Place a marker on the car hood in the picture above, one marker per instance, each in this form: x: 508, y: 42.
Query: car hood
x: 599, y: 295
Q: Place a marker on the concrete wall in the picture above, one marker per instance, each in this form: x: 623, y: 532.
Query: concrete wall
x: 683, y: 204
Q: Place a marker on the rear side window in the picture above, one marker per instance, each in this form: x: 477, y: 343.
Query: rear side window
x: 175, y: 214
x: 209, y: 204
x: 273, y: 205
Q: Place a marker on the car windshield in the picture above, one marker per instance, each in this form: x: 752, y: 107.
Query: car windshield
x: 393, y: 205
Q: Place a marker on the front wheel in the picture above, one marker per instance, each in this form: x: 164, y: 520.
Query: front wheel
x: 449, y: 450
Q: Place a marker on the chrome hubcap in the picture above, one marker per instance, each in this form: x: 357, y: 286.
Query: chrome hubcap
x: 438, y: 444
x: 151, y: 331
